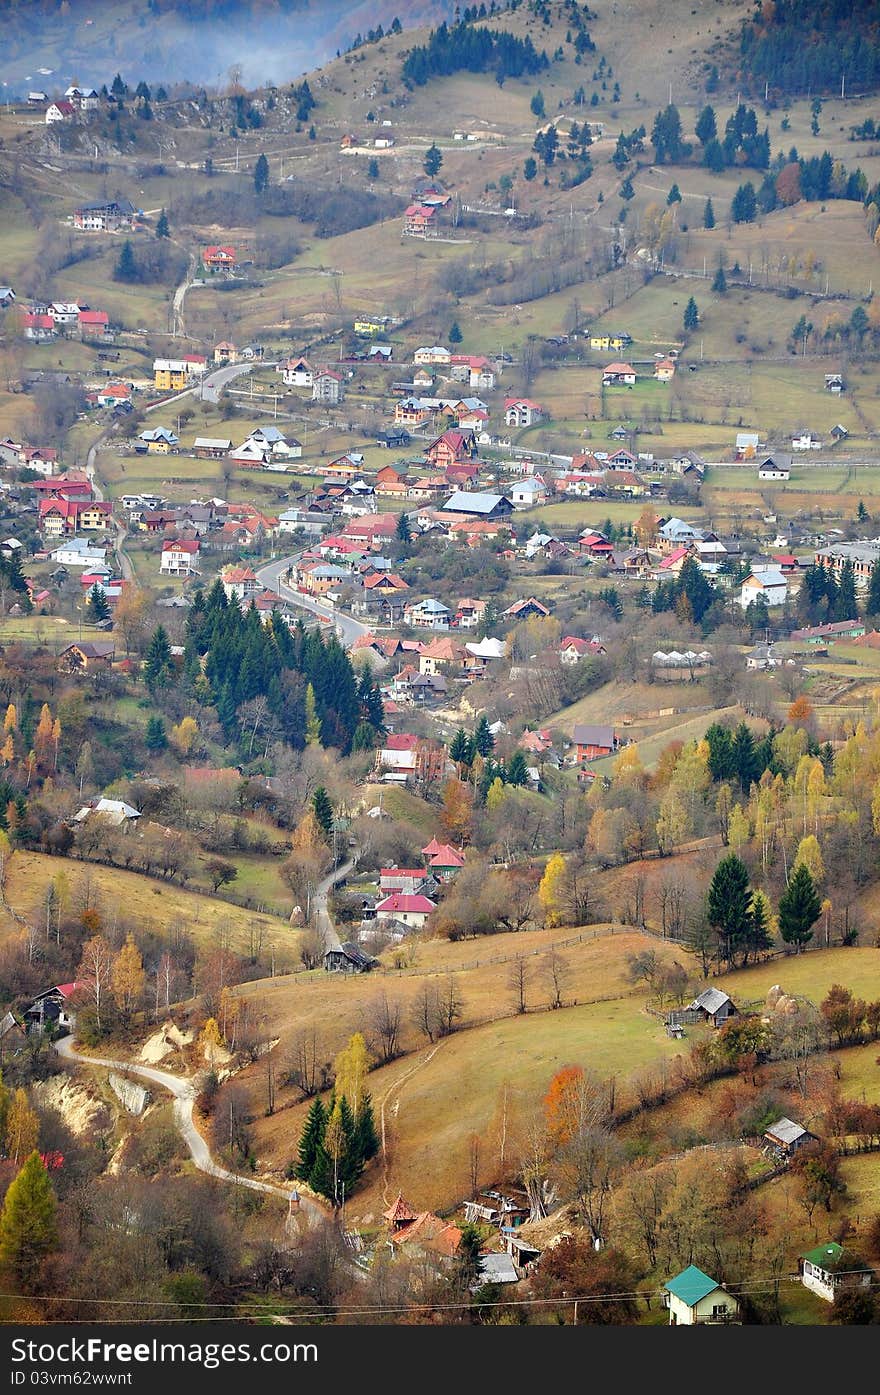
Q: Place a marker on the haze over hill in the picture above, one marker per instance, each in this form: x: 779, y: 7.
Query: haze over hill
x: 195, y: 41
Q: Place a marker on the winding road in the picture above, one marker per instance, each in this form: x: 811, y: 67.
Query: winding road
x: 347, y: 628
x: 184, y: 1092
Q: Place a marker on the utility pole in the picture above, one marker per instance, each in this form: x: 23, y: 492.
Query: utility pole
x: 842, y: 85
x: 236, y: 158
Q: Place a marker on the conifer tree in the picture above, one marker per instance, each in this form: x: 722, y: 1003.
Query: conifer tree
x: 402, y: 530
x: 311, y: 1139
x: 126, y: 266
x: 799, y: 908
x: 162, y: 229
x: 155, y: 737
x: 323, y: 811
x: 691, y: 314
x: 729, y: 907
x: 97, y: 605
x: 261, y: 174
x: 158, y: 663
x: 517, y: 769
x: 484, y: 741
x: 313, y: 721
x: 28, y: 1227
x: 366, y: 1138
x: 708, y: 215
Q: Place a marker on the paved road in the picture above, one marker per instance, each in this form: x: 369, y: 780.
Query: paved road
x: 180, y: 295
x: 348, y: 629
x: 184, y: 1092
x: 326, y: 928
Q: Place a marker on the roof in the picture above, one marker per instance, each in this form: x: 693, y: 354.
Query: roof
x: 400, y: 1210
x: 181, y: 546
x: 787, y: 1131
x: 446, y: 856
x: 619, y: 368
x: 691, y: 1286
x: 835, y: 1258
x: 466, y: 501
x: 711, y: 999
x: 351, y: 952
x: 398, y: 902
x: 592, y: 734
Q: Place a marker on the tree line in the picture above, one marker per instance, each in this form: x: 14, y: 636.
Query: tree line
x: 462, y: 48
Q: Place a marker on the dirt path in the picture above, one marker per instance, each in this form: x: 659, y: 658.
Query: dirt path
x: 389, y: 1093
x: 184, y: 1091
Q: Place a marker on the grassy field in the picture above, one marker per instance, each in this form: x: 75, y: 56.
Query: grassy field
x: 148, y: 903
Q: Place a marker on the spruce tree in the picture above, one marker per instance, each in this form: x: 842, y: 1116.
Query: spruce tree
x: 483, y: 738
x: 402, y: 530
x: 261, y: 174
x: 433, y: 160
x: 729, y: 907
x: 366, y: 1138
x: 745, y: 758
x: 517, y: 770
x: 719, y: 282
x: 162, y: 229
x: 310, y: 1140
x: 674, y: 196
x: 323, y: 811
x: 158, y: 663
x: 708, y: 215
x: 351, y: 1163
x: 28, y: 1227
x: 845, y: 604
x: 97, y: 605
x: 691, y: 315
x: 459, y: 747
x: 799, y: 908
x: 455, y: 335
x: 155, y: 738
x: 126, y: 266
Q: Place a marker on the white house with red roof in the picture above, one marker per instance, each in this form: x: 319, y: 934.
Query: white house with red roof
x: 37, y: 326
x: 572, y: 649
x: 401, y: 879
x: 619, y: 375
x: 408, y: 910
x: 60, y: 111
x: 219, y: 258
x: 180, y: 557
x: 94, y: 324
x: 522, y: 411
x: 239, y: 583
x: 474, y: 369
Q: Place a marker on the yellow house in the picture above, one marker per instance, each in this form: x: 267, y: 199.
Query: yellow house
x: 694, y: 1299
x: 608, y: 341
x: 370, y: 327
x: 94, y: 516
x: 170, y: 374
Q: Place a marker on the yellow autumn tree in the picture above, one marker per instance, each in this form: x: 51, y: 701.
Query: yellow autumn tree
x: 350, y: 1069
x: 230, y: 1007
x: 183, y: 735
x: 628, y: 768
x: 43, y: 735
x: 10, y: 721
x: 673, y: 822
x: 210, y: 1040
x: 738, y: 829
x: 8, y: 751
x: 56, y: 741
x: 496, y: 794
x: 127, y: 978
x: 550, y: 889
x: 22, y: 1128
x: 809, y: 855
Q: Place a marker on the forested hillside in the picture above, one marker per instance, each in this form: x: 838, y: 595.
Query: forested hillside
x: 799, y: 46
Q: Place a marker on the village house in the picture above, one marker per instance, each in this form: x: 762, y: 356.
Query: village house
x: 180, y: 558
x: 612, y: 342
x: 833, y: 630
x: 297, y: 372
x: 218, y: 258
x: 239, y: 584
x: 572, y: 649
x: 403, y: 879
x: 786, y: 1137
x: 712, y: 1006
x: 834, y: 383
x: 104, y: 217
x: 420, y: 220
x: 440, y: 655
x: 346, y: 958
x: 619, y: 375
x: 95, y: 325
x: 776, y: 466
x: 486, y: 507
x: 52, y: 1008
x: 769, y: 582
x: 434, y: 353
x: 83, y: 98
x: 524, y: 608
x: 805, y: 440
x: 67, y: 516
x: 87, y: 655
x: 401, y: 908
x: 664, y: 370
x: 527, y: 493
x: 694, y: 1299
x: 746, y: 445
x: 473, y: 369
x: 113, y: 394
x: 159, y: 440
x: 427, y: 614
x: 61, y: 110
x: 862, y: 554
x: 829, y: 1268
x: 37, y: 326
x: 327, y: 387
x: 591, y: 741
x: 521, y: 411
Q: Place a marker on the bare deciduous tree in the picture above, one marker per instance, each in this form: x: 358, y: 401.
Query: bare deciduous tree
x: 556, y: 972
x: 383, y: 1026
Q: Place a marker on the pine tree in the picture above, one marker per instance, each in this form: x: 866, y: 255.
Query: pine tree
x: 760, y: 936
x: 799, y: 908
x: 366, y: 1138
x: 455, y: 335
x: 626, y: 189
x: 373, y: 169
x: 311, y: 1139
x: 155, y: 737
x: 706, y: 128
x: 28, y: 1227
x: 846, y: 604
x: 517, y: 770
x: 708, y: 214
x: 261, y: 174
x: 872, y: 602
x: 729, y: 907
x: 691, y: 314
x: 158, y: 663
x: 97, y: 605
x: 433, y: 160
x: 126, y: 266
x: 323, y: 811
x: 402, y: 530
x: 744, y: 205
x: 719, y: 282
x: 484, y: 741
x: 530, y: 168
x: 459, y: 748
x: 745, y: 757
x: 536, y: 105
x: 313, y: 721
x: 162, y: 229
x: 674, y: 196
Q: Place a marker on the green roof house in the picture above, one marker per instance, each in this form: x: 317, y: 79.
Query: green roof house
x: 693, y: 1298
x: 830, y: 1267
